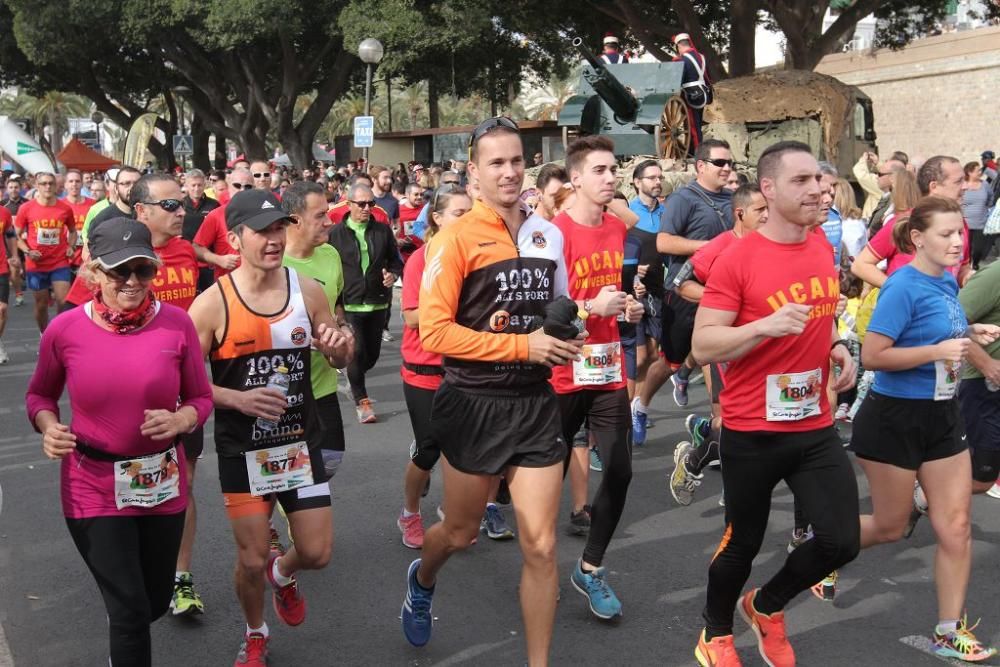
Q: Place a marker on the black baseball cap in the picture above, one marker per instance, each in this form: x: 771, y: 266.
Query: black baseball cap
x: 119, y: 240
x: 257, y: 209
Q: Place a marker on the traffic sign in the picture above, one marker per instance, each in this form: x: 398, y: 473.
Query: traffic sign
x: 183, y: 144
x: 364, y: 131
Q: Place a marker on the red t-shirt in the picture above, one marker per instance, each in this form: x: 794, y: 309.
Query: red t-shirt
x: 79, y: 216
x: 703, y: 258
x: 6, y: 222
x: 47, y: 229
x: 594, y: 259
x: 212, y: 235
x: 753, y: 279
x: 176, y: 281
x: 412, y: 351
x: 883, y: 247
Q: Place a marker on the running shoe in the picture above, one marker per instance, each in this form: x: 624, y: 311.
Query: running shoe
x: 720, y: 652
x: 253, y: 651
x: 416, y: 616
x: 592, y: 585
x: 772, y: 641
x: 962, y: 644
x: 412, y: 528
x: 638, y: 425
x: 826, y: 590
x: 700, y: 429
x: 386, y: 336
x: 366, y: 414
x: 276, y: 546
x: 579, y: 522
x: 289, y: 604
x: 185, y: 601
x: 843, y: 413
x: 722, y: 498
x: 994, y: 491
x: 503, y: 492
x: 919, y: 509
x: 799, y: 537
x: 680, y: 392
x: 19, y: 299
x: 682, y: 481
x: 595, y: 461
x: 3, y: 354
x: 495, y: 525
x: 582, y: 438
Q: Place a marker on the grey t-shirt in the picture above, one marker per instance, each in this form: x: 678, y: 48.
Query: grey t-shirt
x: 976, y: 205
x: 696, y: 214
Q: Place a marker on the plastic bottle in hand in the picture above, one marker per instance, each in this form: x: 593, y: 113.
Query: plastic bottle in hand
x: 279, y: 381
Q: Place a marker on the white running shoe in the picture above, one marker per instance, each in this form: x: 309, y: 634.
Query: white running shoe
x: 3, y: 354
x: 994, y: 491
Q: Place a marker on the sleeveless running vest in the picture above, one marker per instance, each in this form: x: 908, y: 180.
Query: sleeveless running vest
x: 253, y: 347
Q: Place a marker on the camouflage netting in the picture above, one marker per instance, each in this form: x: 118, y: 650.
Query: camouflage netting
x: 676, y: 174
x: 783, y: 94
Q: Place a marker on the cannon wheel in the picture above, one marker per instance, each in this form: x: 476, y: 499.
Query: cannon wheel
x: 675, y: 130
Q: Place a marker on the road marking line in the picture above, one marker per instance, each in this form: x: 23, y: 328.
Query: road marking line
x: 6, y: 659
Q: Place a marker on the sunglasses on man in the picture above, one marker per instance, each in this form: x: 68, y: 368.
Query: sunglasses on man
x: 363, y: 204
x: 720, y: 162
x: 168, y: 205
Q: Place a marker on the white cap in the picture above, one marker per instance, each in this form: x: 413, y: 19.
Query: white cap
x: 610, y: 39
x: 682, y: 37
x: 111, y: 175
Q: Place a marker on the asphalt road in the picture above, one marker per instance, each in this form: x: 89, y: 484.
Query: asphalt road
x: 51, y: 613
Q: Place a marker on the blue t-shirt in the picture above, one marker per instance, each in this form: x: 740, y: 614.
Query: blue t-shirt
x: 419, y: 228
x: 834, y: 230
x: 915, y: 309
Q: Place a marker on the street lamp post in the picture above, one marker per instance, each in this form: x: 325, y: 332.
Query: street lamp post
x: 180, y: 91
x: 97, y: 118
x: 370, y: 51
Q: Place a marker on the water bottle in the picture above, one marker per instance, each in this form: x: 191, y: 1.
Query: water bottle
x: 278, y: 381
x: 991, y: 385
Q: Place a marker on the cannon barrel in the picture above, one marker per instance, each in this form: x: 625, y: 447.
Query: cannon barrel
x: 610, y: 89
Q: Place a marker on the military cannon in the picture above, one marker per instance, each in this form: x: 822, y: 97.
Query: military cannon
x: 638, y: 105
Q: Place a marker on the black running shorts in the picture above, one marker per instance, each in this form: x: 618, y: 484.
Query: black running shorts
x: 981, y: 413
x: 482, y: 431
x: 907, y: 432
x: 677, y: 328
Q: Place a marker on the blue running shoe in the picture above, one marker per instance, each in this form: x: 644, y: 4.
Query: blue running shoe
x: 495, y: 525
x: 638, y: 425
x: 416, y: 614
x: 595, y: 461
x: 603, y: 601
x: 680, y: 391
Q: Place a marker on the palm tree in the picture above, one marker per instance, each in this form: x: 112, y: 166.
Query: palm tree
x: 546, y: 102
x: 52, y: 110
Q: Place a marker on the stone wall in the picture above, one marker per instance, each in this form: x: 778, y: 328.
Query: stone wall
x: 938, y: 95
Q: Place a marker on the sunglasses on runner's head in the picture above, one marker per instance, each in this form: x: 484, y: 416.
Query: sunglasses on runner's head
x: 720, y: 162
x: 168, y: 205
x: 363, y: 204
x: 143, y: 272
x: 488, y: 126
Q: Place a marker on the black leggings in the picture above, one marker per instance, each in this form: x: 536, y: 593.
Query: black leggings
x: 367, y: 347
x: 132, y: 559
x: 610, y: 420
x: 980, y: 246
x: 817, y: 470
x: 419, y: 402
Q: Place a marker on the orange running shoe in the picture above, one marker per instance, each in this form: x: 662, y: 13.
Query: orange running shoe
x: 720, y: 652
x: 772, y: 642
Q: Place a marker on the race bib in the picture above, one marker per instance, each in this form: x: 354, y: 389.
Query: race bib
x: 147, y: 481
x: 599, y: 364
x: 46, y: 236
x: 279, y: 469
x: 946, y: 375
x: 793, y: 396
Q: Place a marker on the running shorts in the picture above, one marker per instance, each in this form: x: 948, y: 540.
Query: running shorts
x: 240, y: 502
x: 40, y: 281
x: 332, y: 444
x: 482, y: 431
x: 424, y: 452
x: 194, y: 443
x: 717, y: 383
x: 906, y: 432
x: 601, y: 410
x: 981, y: 413
x: 4, y: 288
x: 677, y: 328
